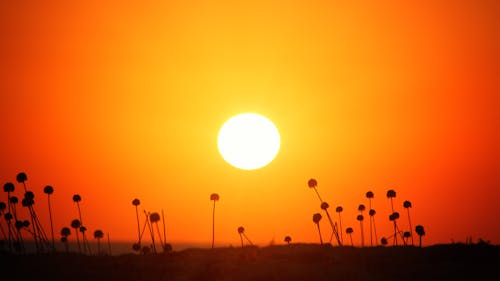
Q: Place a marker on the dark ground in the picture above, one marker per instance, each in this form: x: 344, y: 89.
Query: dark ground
x: 295, y: 262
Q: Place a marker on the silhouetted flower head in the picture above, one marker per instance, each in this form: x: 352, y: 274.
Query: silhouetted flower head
x: 394, y: 216
x: 8, y: 187
x: 420, y: 230
x: 372, y: 212
x: 21, y: 177
x: 3, y: 206
x: 26, y: 223
x: 317, y: 217
x: 98, y: 234
x: 360, y: 217
x: 214, y: 196
x: 48, y: 190
x: 369, y: 195
x: 13, y: 200
x: 83, y: 229
x: 136, y: 202
x: 154, y: 217
x: 312, y: 183
x: 391, y: 193
x: 241, y: 229
x: 18, y: 225
x: 8, y: 216
x: 65, y: 231
x: 349, y: 230
x: 324, y: 206
x: 407, y: 204
x: 27, y: 202
x: 406, y: 234
x: 288, y: 239
x: 361, y: 207
x: 75, y: 223
x: 383, y: 241
x: 77, y: 198
x: 29, y: 195
x: 339, y: 209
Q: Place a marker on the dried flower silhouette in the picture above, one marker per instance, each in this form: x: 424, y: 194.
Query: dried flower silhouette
x: 214, y: 197
x: 392, y: 194
x: 324, y: 206
x: 312, y: 183
x: 9, y: 187
x: 339, y: 210
x: 360, y: 218
x: 372, y: 213
x: 316, y: 219
x: 407, y: 206
x: 49, y: 190
x: 370, y: 196
x: 98, y: 234
x: 241, y: 232
x: 349, y: 232
x: 288, y: 239
x: 136, y: 202
x: 65, y: 232
x: 419, y: 229
x: 76, y: 225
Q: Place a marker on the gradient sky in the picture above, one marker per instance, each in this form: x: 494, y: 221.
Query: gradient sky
x: 116, y: 101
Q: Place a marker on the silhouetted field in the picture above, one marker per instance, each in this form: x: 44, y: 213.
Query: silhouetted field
x: 294, y: 262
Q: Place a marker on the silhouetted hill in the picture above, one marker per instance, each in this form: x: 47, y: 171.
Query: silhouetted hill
x: 294, y: 262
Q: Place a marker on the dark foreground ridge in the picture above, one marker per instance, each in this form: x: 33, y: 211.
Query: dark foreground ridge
x: 293, y: 262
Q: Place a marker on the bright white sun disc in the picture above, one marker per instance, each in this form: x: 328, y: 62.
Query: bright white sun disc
x: 248, y: 141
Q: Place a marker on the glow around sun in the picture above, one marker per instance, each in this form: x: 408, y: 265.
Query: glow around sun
x: 248, y: 141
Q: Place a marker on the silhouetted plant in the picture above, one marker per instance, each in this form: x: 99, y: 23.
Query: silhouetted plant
x: 49, y: 190
x: 214, y: 197
x: 349, y: 232
x: 65, y: 232
x: 360, y: 218
x: 316, y: 219
x: 19, y: 243
x: 394, y: 217
x: 324, y: 206
x: 339, y: 210
x: 77, y: 199
x: 241, y: 232
x: 98, y: 234
x: 312, y: 183
x: 83, y: 230
x: 151, y: 231
x: 136, y: 202
x: 76, y: 225
x: 155, y: 218
x: 372, y: 213
x: 370, y: 196
x: 383, y: 241
x: 407, y: 206
x: 9, y: 187
x: 406, y: 235
x: 392, y: 194
x: 3, y: 206
x: 28, y: 202
x: 22, y: 178
x: 419, y: 229
x: 288, y: 239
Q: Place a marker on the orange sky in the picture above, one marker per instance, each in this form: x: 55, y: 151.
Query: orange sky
x: 124, y: 100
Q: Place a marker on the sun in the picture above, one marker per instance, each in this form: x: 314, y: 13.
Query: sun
x: 248, y: 141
